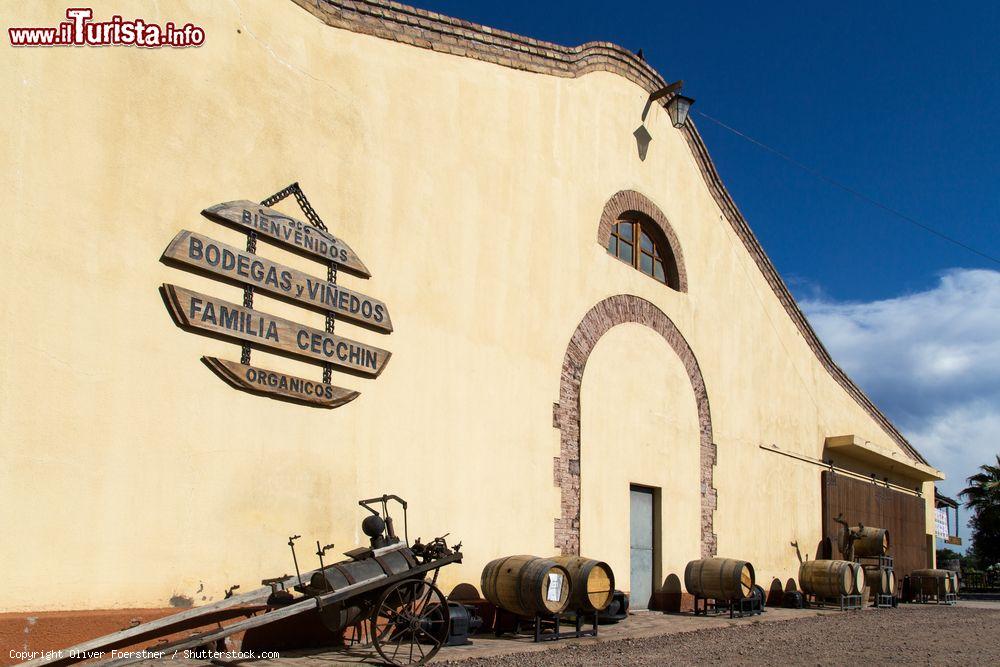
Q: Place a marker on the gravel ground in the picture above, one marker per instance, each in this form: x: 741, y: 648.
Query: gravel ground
x: 912, y: 634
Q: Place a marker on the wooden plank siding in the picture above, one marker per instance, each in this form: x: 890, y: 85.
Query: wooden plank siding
x: 874, y: 505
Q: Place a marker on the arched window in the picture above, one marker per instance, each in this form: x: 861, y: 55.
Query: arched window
x: 637, y: 241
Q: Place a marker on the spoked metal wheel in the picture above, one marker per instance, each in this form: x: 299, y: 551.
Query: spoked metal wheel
x: 410, y: 623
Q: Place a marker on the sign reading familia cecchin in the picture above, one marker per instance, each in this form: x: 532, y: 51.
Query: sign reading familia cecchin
x: 201, y: 313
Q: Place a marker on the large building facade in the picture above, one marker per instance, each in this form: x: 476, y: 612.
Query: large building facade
x: 590, y: 351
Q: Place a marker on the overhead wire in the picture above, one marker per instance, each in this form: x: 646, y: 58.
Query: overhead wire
x: 846, y: 188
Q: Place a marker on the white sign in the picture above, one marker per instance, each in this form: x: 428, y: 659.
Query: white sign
x: 941, y: 522
x: 555, y: 588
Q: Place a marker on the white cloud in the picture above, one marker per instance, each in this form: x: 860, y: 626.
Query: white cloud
x: 931, y: 361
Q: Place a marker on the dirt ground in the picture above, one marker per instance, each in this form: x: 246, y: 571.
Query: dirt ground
x: 967, y: 634
x: 913, y: 634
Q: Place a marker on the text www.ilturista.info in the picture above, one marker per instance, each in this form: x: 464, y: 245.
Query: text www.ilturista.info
x: 81, y: 30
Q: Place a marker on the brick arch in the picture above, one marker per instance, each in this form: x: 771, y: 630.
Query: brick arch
x: 615, y: 310
x: 628, y: 201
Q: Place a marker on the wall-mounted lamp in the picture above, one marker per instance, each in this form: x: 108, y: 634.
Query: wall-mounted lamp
x: 677, y: 107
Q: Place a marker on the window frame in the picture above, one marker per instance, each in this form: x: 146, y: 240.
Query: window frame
x: 661, y: 252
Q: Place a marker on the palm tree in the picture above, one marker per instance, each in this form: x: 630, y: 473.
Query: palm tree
x: 983, y: 492
x: 983, y: 497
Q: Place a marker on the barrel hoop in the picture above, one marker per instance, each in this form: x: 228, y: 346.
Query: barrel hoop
x: 385, y: 566
x: 522, y: 581
x: 344, y: 571
x: 408, y: 555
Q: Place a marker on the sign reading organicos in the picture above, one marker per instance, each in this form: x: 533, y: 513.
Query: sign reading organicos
x: 209, y: 315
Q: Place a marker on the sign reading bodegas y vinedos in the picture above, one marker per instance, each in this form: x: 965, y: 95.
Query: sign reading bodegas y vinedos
x: 212, y: 256
x: 209, y: 315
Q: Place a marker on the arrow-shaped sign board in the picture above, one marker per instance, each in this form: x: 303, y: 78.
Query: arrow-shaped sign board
x: 215, y: 316
x: 206, y: 254
x: 295, y: 234
x: 280, y: 385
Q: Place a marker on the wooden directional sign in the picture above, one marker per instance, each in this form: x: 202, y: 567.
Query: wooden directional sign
x: 212, y: 315
x: 295, y: 234
x: 279, y: 385
x: 208, y: 315
x: 209, y: 255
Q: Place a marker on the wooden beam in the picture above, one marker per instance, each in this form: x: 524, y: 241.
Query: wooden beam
x: 255, y: 596
x: 303, y: 605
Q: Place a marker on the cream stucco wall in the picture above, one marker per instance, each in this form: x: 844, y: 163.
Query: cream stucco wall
x: 129, y: 473
x: 639, y: 425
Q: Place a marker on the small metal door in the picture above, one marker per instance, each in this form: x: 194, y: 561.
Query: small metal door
x: 641, y: 543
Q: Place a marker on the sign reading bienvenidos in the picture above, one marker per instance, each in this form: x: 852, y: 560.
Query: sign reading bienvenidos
x: 295, y: 234
x: 212, y: 316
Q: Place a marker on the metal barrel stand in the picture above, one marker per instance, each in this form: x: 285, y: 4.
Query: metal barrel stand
x: 549, y: 628
x: 882, y: 601
x: 842, y: 602
x: 738, y: 609
x: 920, y: 597
x: 881, y: 562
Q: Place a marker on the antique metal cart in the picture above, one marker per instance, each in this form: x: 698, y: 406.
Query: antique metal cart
x: 385, y: 592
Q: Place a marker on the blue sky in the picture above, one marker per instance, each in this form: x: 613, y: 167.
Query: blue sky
x: 898, y: 100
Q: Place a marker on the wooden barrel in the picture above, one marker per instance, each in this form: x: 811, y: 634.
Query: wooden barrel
x: 932, y: 582
x: 527, y: 585
x: 592, y: 582
x: 874, y: 542
x: 725, y: 579
x: 880, y: 581
x: 857, y: 579
x: 827, y: 578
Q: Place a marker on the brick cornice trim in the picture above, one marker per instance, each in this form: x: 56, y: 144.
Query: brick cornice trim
x: 627, y: 201
x: 607, y: 314
x: 430, y: 30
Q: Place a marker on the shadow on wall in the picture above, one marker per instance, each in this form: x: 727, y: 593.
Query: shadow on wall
x: 642, y: 139
x: 825, y: 549
x: 776, y: 593
x: 671, y: 597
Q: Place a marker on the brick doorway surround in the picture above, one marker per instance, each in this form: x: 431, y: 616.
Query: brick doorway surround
x: 615, y: 310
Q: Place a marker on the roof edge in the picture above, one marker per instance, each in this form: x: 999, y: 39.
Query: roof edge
x: 446, y: 34
x: 430, y: 30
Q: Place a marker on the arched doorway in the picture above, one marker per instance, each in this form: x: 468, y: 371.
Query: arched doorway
x: 639, y: 460
x: 609, y: 313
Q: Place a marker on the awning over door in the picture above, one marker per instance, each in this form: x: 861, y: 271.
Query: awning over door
x: 891, y: 461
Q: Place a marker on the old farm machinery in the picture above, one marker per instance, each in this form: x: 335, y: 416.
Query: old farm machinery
x: 384, y: 595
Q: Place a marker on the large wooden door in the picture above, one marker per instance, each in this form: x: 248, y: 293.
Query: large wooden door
x: 874, y: 505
